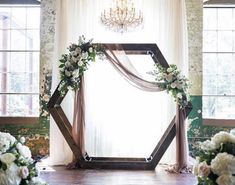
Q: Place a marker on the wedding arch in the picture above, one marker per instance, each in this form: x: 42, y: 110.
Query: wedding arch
x: 72, y: 78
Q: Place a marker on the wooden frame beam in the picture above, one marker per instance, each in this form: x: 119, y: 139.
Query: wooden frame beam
x: 88, y: 162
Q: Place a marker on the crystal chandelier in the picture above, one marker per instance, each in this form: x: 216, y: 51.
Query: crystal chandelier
x: 122, y: 17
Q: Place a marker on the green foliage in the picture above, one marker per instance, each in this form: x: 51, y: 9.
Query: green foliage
x: 73, y: 65
x: 173, y: 82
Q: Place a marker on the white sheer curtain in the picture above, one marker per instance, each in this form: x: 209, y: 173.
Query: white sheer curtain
x: 106, y: 133
x: 122, y: 120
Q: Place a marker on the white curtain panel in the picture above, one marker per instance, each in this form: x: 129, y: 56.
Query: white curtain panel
x: 144, y: 116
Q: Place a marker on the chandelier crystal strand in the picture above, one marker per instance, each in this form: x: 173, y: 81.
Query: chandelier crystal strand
x: 122, y: 17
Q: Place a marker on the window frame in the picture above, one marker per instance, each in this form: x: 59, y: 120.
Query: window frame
x: 18, y: 119
x: 215, y: 121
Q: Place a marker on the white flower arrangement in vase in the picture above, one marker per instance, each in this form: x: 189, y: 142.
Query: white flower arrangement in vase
x: 216, y: 160
x: 16, y: 164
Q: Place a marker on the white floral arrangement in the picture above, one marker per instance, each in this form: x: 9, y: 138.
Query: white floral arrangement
x: 73, y: 65
x: 216, y: 160
x: 173, y: 82
x: 16, y: 164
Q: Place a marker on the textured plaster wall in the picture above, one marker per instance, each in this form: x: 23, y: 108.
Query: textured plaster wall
x: 194, y: 21
x: 197, y: 131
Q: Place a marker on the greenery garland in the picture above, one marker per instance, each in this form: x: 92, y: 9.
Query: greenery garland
x: 73, y: 65
x: 173, y: 82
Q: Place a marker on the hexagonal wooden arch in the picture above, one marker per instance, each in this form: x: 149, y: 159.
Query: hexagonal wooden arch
x: 87, y: 162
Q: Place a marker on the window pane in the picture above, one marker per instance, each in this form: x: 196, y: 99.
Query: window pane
x: 209, y: 106
x: 4, y: 61
x: 31, y: 82
x: 5, y: 15
x: 35, y: 84
x: 4, y: 39
x: 18, y: 20
x: 209, y: 19
x: 225, y: 21
x: 223, y: 85
x: 35, y: 105
x: 33, y: 20
x: 233, y: 84
x: 226, y: 64
x: 32, y: 40
x: 209, y: 63
x: 32, y: 62
x: 233, y: 18
x: 17, y: 62
x: 210, y: 84
x: 225, y: 41
x: 18, y: 38
x: 19, y: 105
x: 3, y: 84
x: 209, y: 41
x: 17, y: 82
x: 225, y: 108
x: 234, y: 37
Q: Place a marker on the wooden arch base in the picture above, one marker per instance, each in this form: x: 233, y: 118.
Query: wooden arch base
x: 87, y: 162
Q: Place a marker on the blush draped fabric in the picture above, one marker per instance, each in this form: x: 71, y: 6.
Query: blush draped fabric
x: 127, y: 70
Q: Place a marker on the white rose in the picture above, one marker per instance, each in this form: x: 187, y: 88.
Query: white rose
x: 24, y: 172
x: 232, y: 132
x: 11, y: 138
x: 67, y: 64
x: 164, y: 75
x: 179, y: 86
x: 74, y: 53
x: 22, y: 139
x: 169, y: 77
x: 207, y: 145
x: 76, y: 73
x: 85, y: 55
x: 10, y: 176
x: 222, y: 137
x: 74, y: 60
x: 179, y: 95
x: 7, y: 158
x: 4, y: 145
x: 173, y: 85
x: 24, y: 150
x: 6, y: 141
x: 78, y: 50
x: 225, y: 179
x: 223, y: 163
x: 18, y: 145
x: 90, y: 49
x: 169, y: 70
x: 80, y: 63
x: 67, y: 73
x: 45, y: 97
x: 203, y: 169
